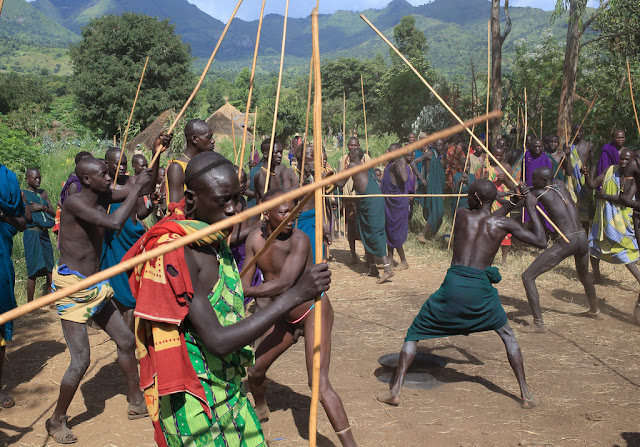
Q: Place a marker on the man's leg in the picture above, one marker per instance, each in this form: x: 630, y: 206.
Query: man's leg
x: 547, y: 260
x: 633, y: 268
x: 127, y: 315
x: 390, y: 253
x: 388, y: 270
x: 404, y: 265
x: 47, y: 285
x: 505, y: 252
x: 276, y: 341
x: 582, y: 267
x: 111, y: 321
x: 595, y: 266
x: 330, y: 400
x: 31, y: 288
x: 371, y: 262
x: 422, y: 237
x: 75, y: 334
x: 514, y: 355
x: 392, y: 397
x: 6, y: 401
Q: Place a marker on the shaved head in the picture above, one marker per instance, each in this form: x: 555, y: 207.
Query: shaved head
x: 207, y: 168
x: 544, y: 173
x: 88, y: 166
x: 113, y: 153
x: 196, y: 128
x: 485, y: 190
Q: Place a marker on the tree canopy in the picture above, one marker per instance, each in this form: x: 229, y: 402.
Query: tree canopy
x: 107, y: 65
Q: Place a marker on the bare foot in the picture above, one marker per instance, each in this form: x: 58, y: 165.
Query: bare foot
x: 588, y: 314
x: 389, y: 398
x: 373, y: 272
x: 530, y: 402
x: 263, y: 412
x: 403, y: 266
x: 6, y: 401
x: 388, y: 274
x: 60, y: 432
x: 422, y: 239
x: 533, y: 329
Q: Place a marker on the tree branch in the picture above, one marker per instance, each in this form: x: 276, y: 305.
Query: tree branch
x: 588, y: 22
x: 508, y: 28
x: 606, y: 36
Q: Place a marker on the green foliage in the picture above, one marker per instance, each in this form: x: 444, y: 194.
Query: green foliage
x: 411, y: 43
x: 291, y: 116
x: 108, y: 62
x: 619, y: 25
x: 17, y: 150
x: 17, y: 91
x: 21, y: 22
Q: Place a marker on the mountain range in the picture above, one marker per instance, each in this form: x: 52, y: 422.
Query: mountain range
x: 455, y: 30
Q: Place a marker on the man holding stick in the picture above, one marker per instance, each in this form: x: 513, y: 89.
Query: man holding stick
x: 282, y: 264
x: 581, y: 154
x: 192, y: 334
x: 466, y: 301
x: 84, y: 220
x: 396, y: 209
x: 260, y: 178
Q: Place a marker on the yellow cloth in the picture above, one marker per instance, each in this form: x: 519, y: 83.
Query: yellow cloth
x: 3, y: 342
x: 182, y: 164
x: 80, y: 306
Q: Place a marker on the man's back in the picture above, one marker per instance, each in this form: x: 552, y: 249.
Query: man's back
x: 477, y: 238
x: 558, y: 205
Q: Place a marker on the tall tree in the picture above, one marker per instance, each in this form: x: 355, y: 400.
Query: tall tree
x: 107, y: 62
x: 497, y: 40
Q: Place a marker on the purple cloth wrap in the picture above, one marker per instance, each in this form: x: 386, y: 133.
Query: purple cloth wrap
x: 531, y: 164
x: 73, y: 179
x: 238, y: 252
x: 396, y: 210
x: 610, y: 156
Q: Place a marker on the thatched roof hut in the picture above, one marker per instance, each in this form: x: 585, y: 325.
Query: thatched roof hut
x: 221, y: 121
x: 144, y: 140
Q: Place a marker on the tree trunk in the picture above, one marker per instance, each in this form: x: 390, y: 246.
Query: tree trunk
x: 496, y: 63
x: 570, y: 71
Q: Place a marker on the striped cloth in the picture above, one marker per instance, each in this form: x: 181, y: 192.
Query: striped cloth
x: 581, y: 195
x: 612, y: 237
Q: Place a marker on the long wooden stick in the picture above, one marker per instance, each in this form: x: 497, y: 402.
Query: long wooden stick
x: 488, y: 77
x: 126, y: 132
x: 524, y: 145
x: 306, y: 124
x: 576, y: 134
x: 255, y: 135
x: 364, y: 111
x: 1, y: 3
x: 455, y: 213
x: 253, y: 73
x: 233, y: 135
x: 233, y: 220
x: 518, y: 129
x: 319, y: 205
x: 292, y: 215
x: 275, y: 112
x: 633, y: 101
x: 204, y: 73
x: 393, y: 195
x: 493, y: 158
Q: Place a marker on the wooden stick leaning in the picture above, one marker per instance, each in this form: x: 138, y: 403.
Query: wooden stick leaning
x: 364, y: 111
x: 1, y: 3
x: 319, y: 206
x: 306, y: 125
x: 455, y: 213
x: 493, y: 158
x: 255, y: 123
x: 275, y: 111
x: 292, y: 215
x: 253, y: 73
x: 233, y: 135
x: 633, y: 101
x: 126, y: 132
x: 204, y: 73
x: 359, y: 196
x: 525, y: 119
x: 576, y: 134
x: 488, y: 78
x: 231, y: 221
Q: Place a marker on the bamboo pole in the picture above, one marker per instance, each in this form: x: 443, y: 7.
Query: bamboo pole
x: 541, y: 134
x: 253, y: 73
x: 344, y: 123
x: 488, y: 80
x: 233, y: 135
x: 123, y: 267
x: 1, y: 3
x: 364, y: 111
x: 576, y: 134
x: 126, y: 132
x: 319, y: 206
x: 255, y: 124
x: 394, y: 195
x: 493, y: 158
x: 518, y: 129
x: 275, y: 112
x: 306, y: 124
x: 204, y: 73
x: 455, y: 213
x: 633, y: 101
x: 292, y: 215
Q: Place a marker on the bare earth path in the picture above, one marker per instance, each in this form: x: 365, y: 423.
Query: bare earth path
x: 587, y: 373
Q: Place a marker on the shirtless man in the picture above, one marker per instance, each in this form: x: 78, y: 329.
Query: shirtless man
x: 557, y: 202
x: 199, y: 137
x: 467, y: 302
x: 84, y: 220
x: 292, y: 249
x: 275, y: 181
x: 139, y: 163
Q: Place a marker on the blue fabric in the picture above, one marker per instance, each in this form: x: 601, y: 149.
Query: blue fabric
x: 38, y: 252
x: 307, y: 224
x: 371, y: 220
x: 252, y: 175
x: 115, y: 246
x: 433, y: 207
x: 464, y: 203
x: 11, y: 204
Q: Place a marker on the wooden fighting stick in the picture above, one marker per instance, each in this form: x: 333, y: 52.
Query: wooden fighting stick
x: 319, y: 206
x: 488, y: 79
x: 360, y: 196
x: 255, y: 123
x: 493, y: 158
x: 455, y: 213
x: 306, y: 125
x: 253, y: 73
x: 633, y: 101
x: 576, y: 134
x: 525, y: 119
x: 364, y: 111
x: 275, y: 111
x: 123, y: 267
x: 1, y: 3
x: 204, y: 73
x: 292, y: 215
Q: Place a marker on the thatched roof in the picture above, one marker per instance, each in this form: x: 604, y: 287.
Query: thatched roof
x: 221, y: 121
x: 145, y: 139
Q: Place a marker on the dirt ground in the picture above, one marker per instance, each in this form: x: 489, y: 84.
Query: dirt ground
x: 586, y: 372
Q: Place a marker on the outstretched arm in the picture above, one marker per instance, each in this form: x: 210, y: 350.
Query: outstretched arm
x: 589, y: 181
x: 536, y: 237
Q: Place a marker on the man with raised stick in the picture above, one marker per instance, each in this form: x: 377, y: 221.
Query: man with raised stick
x: 557, y: 201
x: 192, y: 335
x: 84, y: 220
x: 466, y: 301
x: 282, y: 265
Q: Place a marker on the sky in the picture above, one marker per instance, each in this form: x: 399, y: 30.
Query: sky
x: 250, y: 9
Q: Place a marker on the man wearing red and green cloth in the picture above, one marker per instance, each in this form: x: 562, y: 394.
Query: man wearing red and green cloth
x: 192, y: 336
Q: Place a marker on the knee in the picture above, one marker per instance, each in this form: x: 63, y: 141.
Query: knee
x: 79, y: 364
x: 127, y: 343
x: 526, y: 276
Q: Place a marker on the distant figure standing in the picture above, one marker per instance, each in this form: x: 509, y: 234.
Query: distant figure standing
x: 396, y: 209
